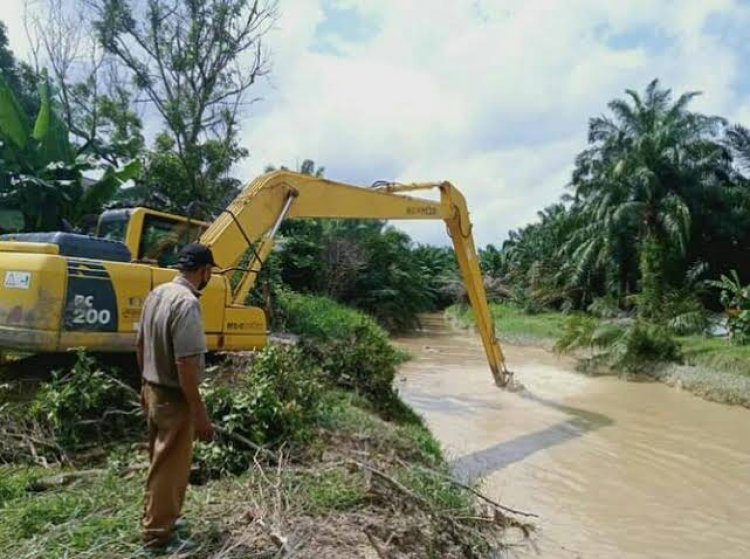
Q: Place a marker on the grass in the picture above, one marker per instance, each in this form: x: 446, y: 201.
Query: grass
x: 716, y: 353
x: 714, y: 368
x: 100, y: 516
x: 325, y: 491
x: 366, y: 462
x: 515, y: 325
x: 72, y: 522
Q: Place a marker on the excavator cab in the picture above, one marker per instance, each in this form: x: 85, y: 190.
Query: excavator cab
x: 153, y: 237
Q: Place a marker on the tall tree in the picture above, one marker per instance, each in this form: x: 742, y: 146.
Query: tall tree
x: 94, y: 103
x: 644, y: 164
x: 194, y: 62
x: 738, y: 140
x: 19, y: 77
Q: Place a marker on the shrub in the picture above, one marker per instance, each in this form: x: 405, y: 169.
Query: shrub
x: 578, y: 331
x: 684, y: 313
x: 86, y: 405
x: 642, y: 345
x: 631, y: 348
x: 317, y: 317
x: 275, y: 399
x: 352, y: 349
x: 606, y: 307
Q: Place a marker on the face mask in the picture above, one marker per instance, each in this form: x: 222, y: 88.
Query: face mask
x: 204, y: 281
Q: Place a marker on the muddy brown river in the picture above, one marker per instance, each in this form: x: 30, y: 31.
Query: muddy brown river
x: 613, y: 469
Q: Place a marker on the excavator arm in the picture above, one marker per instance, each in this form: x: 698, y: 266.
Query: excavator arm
x: 253, y: 218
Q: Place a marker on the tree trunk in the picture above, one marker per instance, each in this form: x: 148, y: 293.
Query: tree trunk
x: 651, y: 270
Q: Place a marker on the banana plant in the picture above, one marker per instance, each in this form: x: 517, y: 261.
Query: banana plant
x: 736, y: 300
x: 42, y: 172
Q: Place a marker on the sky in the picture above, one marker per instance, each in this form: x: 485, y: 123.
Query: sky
x: 493, y: 95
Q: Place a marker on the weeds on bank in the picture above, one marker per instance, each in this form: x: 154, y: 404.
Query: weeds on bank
x: 370, y: 477
x: 315, y: 443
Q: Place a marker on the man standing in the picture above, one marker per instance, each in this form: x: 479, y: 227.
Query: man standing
x: 171, y: 349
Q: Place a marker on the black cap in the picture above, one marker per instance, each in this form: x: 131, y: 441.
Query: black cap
x: 194, y: 256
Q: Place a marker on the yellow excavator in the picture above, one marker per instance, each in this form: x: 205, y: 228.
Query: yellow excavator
x: 61, y: 291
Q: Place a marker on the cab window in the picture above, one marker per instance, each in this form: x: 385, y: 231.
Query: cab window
x: 161, y: 239
x: 113, y: 228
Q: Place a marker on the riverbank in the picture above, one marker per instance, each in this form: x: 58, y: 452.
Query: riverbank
x: 363, y: 487
x: 713, y: 368
x: 317, y: 456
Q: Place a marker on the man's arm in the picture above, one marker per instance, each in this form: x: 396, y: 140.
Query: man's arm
x: 139, y: 354
x: 139, y: 344
x: 139, y: 358
x: 188, y: 369
x: 189, y: 344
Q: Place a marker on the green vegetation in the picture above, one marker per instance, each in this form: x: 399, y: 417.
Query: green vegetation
x: 313, y: 436
x: 633, y: 348
x: 98, y: 516
x: 656, y: 204
x: 736, y: 300
x: 91, y: 396
x: 515, y: 325
x: 709, y: 367
x: 353, y: 351
x: 364, y: 264
x: 634, y: 264
x: 42, y: 173
x: 714, y: 353
x: 273, y: 399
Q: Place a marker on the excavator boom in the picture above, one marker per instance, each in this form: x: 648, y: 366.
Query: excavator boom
x: 255, y: 215
x: 60, y: 291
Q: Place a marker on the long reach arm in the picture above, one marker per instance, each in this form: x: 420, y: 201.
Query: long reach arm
x: 253, y: 219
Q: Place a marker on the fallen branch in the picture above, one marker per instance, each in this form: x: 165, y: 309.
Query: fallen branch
x: 468, y: 488
x: 66, y: 478
x: 246, y: 442
x: 393, y: 482
x: 278, y: 539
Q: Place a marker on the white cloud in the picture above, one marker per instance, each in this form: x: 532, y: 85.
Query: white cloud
x: 492, y: 95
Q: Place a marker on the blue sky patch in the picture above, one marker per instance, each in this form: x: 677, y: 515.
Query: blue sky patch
x: 342, y: 24
x: 651, y: 38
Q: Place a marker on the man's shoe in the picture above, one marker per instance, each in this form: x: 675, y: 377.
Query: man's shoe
x: 174, y: 545
x: 182, y: 527
x: 180, y: 545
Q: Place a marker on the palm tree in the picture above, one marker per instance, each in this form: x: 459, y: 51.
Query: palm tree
x: 644, y: 163
x: 738, y: 140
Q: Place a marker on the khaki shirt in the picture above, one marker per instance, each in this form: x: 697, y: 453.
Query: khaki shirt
x: 171, y: 327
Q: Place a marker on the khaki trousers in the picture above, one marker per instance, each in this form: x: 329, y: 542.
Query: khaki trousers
x: 171, y: 452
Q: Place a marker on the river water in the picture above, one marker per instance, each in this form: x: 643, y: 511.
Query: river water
x: 613, y: 469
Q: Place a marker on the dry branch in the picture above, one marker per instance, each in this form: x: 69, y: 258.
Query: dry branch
x: 66, y: 478
x: 468, y: 488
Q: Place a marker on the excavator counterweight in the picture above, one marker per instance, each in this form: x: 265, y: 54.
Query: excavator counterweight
x: 65, y: 291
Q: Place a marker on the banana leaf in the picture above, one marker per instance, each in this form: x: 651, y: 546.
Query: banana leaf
x: 103, y: 190
x: 13, y: 124
x: 51, y: 132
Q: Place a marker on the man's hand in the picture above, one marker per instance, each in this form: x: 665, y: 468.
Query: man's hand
x: 144, y: 403
x: 204, y: 430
